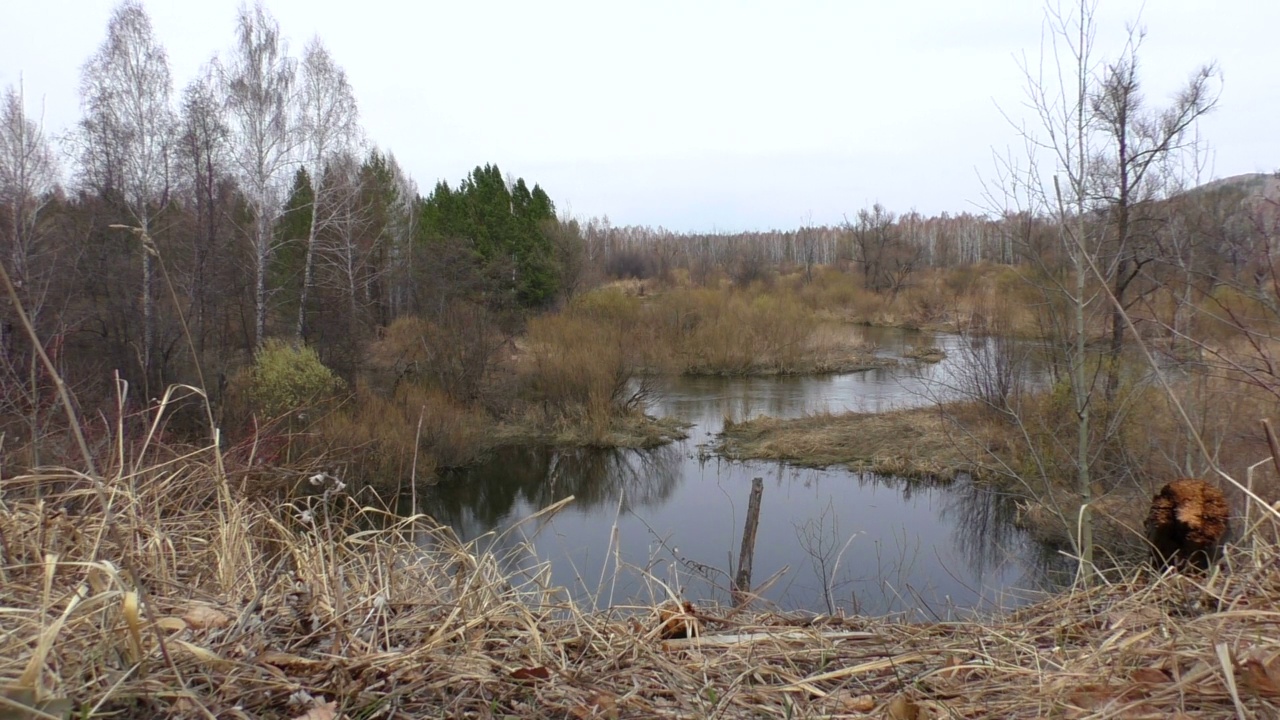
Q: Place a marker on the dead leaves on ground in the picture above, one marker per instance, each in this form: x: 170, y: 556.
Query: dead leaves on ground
x: 1259, y: 672
x: 204, y: 617
x: 530, y: 674
x: 321, y: 710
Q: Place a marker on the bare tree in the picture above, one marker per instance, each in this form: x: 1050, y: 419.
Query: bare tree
x: 127, y: 129
x: 1058, y: 95
x: 1138, y: 141
x: 887, y: 260
x: 351, y: 235
x: 328, y: 127
x: 402, y: 230
x: 258, y: 82
x: 27, y: 176
x: 203, y: 144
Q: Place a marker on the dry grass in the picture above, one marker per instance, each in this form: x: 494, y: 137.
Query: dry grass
x: 386, y: 440
x: 918, y: 443
x: 720, y: 331
x: 925, y: 354
x: 980, y: 298
x: 631, y: 430
x: 320, y: 608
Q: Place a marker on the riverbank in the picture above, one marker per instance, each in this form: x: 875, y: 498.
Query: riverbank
x: 633, y: 431
x: 937, y: 444
x: 920, y: 443
x: 275, y: 609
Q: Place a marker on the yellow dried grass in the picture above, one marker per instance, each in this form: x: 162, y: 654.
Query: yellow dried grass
x: 273, y: 608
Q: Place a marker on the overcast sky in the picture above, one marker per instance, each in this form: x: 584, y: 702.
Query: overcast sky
x: 688, y: 114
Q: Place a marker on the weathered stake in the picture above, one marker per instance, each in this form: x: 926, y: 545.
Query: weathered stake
x: 1275, y: 445
x: 742, y: 583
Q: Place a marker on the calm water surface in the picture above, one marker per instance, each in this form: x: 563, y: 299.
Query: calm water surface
x: 828, y: 540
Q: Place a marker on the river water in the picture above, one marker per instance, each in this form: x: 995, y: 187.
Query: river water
x: 646, y: 523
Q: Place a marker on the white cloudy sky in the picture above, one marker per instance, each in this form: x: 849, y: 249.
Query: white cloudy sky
x: 695, y: 115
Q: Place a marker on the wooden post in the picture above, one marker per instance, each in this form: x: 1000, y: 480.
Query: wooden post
x: 742, y: 583
x: 1275, y: 445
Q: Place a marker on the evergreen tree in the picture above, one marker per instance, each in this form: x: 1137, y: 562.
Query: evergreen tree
x: 504, y: 225
x: 291, y: 236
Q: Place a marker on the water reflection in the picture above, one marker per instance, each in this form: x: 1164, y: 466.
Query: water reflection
x: 827, y: 539
x: 481, y: 499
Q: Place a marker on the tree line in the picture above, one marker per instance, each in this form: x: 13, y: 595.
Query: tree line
x: 169, y: 233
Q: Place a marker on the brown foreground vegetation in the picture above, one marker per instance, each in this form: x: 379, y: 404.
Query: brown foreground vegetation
x: 167, y: 588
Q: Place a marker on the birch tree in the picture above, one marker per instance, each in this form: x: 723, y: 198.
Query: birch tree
x: 402, y: 230
x: 127, y: 129
x: 27, y: 176
x: 259, y: 85
x: 329, y: 128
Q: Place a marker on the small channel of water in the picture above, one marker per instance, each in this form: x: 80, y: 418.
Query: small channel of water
x: 831, y: 540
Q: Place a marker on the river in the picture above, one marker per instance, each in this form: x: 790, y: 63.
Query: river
x: 644, y: 524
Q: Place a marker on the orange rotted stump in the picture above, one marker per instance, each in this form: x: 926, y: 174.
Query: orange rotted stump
x: 1187, y: 525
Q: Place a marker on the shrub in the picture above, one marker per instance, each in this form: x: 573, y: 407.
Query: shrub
x: 285, y: 378
x: 457, y: 351
x: 385, y: 439
x: 578, y: 370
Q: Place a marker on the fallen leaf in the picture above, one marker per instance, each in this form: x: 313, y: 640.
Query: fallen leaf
x: 952, y: 670
x: 201, y: 617
x: 601, y: 705
x: 172, y: 624
x: 859, y: 703
x: 320, y: 711
x: 678, y: 620
x: 535, y: 673
x: 901, y: 708
x: 1090, y: 697
x: 1261, y: 674
x: 1149, y: 676
x: 202, y: 654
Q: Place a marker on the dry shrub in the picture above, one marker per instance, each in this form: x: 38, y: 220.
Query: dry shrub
x: 613, y: 305
x: 840, y: 295
x: 727, y: 332
x: 457, y: 351
x: 418, y: 427
x: 577, y: 370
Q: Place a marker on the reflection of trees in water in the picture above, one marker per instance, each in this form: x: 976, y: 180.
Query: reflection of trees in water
x: 482, y: 498
x: 986, y: 533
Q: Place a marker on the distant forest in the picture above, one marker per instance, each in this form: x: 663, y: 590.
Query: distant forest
x: 186, y: 228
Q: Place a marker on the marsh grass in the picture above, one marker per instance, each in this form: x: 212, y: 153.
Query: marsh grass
x: 324, y: 605
x: 917, y: 443
x: 725, y: 330
x: 1022, y: 454
x: 417, y: 430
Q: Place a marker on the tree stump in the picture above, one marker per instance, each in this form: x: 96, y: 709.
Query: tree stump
x: 1187, y: 525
